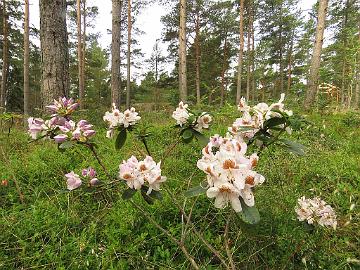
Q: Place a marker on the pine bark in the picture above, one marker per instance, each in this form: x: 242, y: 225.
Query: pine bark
x: 26, y: 60
x: 357, y: 76
x: 241, y: 51
x: 5, y: 66
x: 248, y: 73
x: 115, y: 52
x: 197, y: 56
x: 316, y: 57
x: 54, y: 50
x: 182, y: 52
x: 80, y: 54
x: 84, y: 46
x: 224, y: 68
x: 128, y: 56
x: 290, y: 63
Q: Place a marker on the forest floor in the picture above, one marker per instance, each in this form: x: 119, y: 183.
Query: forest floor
x: 50, y: 228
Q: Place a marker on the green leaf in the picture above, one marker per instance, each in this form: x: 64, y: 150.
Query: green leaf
x: 249, y: 214
x: 195, y: 191
x: 120, y: 139
x: 293, y: 147
x: 200, y: 137
x: 66, y: 145
x: 146, y: 197
x: 153, y: 195
x: 275, y: 121
x: 187, y: 135
x: 128, y: 194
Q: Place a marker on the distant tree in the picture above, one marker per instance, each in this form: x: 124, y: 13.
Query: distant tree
x: 5, y: 56
x: 128, y: 65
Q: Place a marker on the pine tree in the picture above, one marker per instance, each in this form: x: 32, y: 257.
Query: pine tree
x: 54, y: 50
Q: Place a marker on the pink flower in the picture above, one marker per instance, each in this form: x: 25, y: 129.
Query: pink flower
x: 94, y: 182
x: 73, y: 180
x: 60, y: 138
x: 89, y: 172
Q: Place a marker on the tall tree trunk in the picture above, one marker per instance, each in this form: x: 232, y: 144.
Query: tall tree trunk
x: 281, y: 61
x: 83, y: 53
x: 5, y: 66
x: 54, y: 50
x: 224, y: 68
x: 253, y: 84
x: 344, y: 60
x: 248, y: 73
x: 26, y: 60
x: 197, y: 55
x: 182, y: 52
x: 316, y: 57
x: 115, y: 52
x: 241, y: 51
x: 80, y: 54
x: 357, y: 83
x: 128, y: 55
x: 290, y: 63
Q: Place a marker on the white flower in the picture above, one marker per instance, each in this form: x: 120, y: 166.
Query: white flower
x: 130, y: 117
x: 316, y: 211
x: 203, y: 122
x: 115, y: 118
x: 223, y: 194
x: 243, y: 107
x: 181, y: 114
x: 137, y: 173
x: 229, y: 172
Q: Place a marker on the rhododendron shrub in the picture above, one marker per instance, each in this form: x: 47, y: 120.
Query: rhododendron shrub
x: 230, y: 173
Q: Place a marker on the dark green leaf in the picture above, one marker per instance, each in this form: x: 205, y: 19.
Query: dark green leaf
x: 120, y: 139
x: 275, y: 121
x: 249, y: 214
x: 293, y: 147
x: 128, y: 194
x: 147, y: 198
x: 195, y: 191
x: 66, y: 145
x: 200, y: 137
x: 187, y: 135
x: 154, y: 194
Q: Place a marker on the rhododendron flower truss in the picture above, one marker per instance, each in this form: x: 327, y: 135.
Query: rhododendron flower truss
x: 191, y: 123
x: 60, y: 127
x: 142, y: 175
x: 121, y: 121
x: 230, y: 176
x: 63, y: 107
x: 316, y: 211
x: 264, y: 124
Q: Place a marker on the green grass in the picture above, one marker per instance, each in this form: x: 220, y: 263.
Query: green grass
x: 54, y: 229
